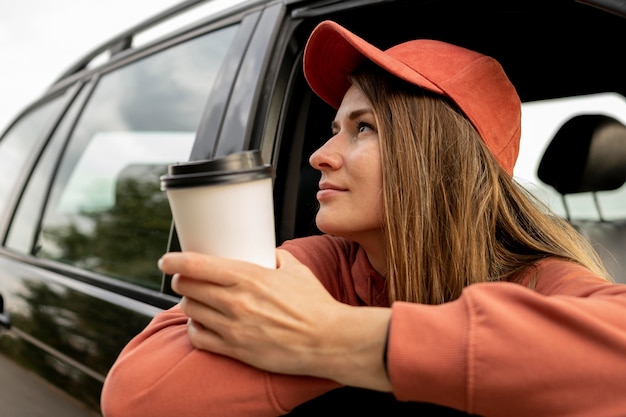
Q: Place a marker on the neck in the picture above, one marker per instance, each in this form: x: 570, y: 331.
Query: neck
x: 375, y: 254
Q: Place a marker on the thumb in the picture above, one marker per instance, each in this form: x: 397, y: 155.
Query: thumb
x: 290, y: 265
x: 285, y: 258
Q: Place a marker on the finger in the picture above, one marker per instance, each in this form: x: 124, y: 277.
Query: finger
x: 187, y: 286
x: 223, y: 339
x: 284, y: 258
x: 209, y: 317
x: 220, y: 271
x: 287, y: 262
x: 202, y: 337
x: 209, y: 296
x: 211, y: 330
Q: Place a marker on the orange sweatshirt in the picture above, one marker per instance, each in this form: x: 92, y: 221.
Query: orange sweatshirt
x: 501, y: 349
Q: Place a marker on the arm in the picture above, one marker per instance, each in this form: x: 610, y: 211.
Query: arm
x: 503, y: 349
x: 282, y: 320
x: 159, y: 373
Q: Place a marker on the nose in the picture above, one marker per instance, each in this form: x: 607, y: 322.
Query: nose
x: 326, y: 156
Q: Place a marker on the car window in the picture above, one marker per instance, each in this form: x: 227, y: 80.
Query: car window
x: 106, y: 211
x: 540, y: 121
x: 18, y: 142
x: 25, y: 223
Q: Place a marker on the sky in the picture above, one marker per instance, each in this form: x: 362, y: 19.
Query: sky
x: 40, y: 39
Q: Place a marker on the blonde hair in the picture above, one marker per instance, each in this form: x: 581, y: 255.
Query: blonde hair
x: 453, y: 216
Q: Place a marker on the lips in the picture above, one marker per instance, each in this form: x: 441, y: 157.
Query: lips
x: 325, y: 185
x: 329, y: 190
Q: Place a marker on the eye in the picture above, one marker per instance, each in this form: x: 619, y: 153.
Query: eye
x: 365, y: 127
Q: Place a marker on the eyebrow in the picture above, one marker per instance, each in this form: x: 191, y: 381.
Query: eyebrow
x: 355, y: 114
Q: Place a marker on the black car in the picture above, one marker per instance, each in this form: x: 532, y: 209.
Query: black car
x: 82, y: 217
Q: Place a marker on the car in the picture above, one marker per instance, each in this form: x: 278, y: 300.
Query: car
x: 83, y: 219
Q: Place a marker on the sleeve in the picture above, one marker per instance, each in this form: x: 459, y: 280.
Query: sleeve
x: 504, y: 349
x: 330, y: 259
x: 159, y: 373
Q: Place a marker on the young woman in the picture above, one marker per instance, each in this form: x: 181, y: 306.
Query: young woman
x: 438, y: 278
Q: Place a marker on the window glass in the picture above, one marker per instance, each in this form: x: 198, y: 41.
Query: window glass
x: 19, y: 142
x: 540, y: 121
x: 106, y: 211
x: 612, y: 204
x: 22, y: 232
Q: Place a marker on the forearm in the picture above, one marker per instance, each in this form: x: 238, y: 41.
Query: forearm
x: 352, y: 351
x: 505, y: 350
x: 160, y: 374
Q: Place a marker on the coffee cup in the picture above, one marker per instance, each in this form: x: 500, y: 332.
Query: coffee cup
x: 224, y: 207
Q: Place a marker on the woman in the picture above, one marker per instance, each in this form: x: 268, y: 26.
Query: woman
x: 438, y: 279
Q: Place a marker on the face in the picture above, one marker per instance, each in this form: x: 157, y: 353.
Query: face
x: 350, y: 194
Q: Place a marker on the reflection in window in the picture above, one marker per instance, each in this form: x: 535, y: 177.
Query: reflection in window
x: 23, y: 231
x: 107, y: 212
x: 19, y: 142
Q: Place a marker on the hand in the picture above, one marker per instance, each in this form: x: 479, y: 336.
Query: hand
x: 279, y: 320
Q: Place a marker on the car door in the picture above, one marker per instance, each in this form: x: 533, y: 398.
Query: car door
x: 88, y: 221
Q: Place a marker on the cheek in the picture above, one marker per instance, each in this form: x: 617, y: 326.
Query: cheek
x: 378, y: 206
x: 372, y: 196
x: 372, y: 180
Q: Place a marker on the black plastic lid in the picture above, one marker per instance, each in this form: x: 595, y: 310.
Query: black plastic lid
x: 232, y: 168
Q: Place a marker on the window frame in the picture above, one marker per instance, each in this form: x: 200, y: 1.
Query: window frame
x: 216, y: 104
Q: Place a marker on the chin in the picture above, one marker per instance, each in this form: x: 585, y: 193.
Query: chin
x: 328, y: 227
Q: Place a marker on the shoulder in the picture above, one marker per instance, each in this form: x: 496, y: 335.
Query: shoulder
x: 556, y: 276
x: 331, y: 259
x: 321, y: 247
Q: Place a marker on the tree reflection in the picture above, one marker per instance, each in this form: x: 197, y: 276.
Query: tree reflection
x: 89, y: 330
x: 123, y: 241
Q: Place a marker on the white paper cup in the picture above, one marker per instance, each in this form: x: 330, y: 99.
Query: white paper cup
x: 224, y: 207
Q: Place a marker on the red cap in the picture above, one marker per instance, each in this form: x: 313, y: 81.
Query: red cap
x: 475, y: 82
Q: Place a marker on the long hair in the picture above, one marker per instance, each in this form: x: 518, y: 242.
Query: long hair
x: 452, y: 215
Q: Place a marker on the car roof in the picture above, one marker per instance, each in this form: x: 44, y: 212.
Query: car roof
x: 549, y: 48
